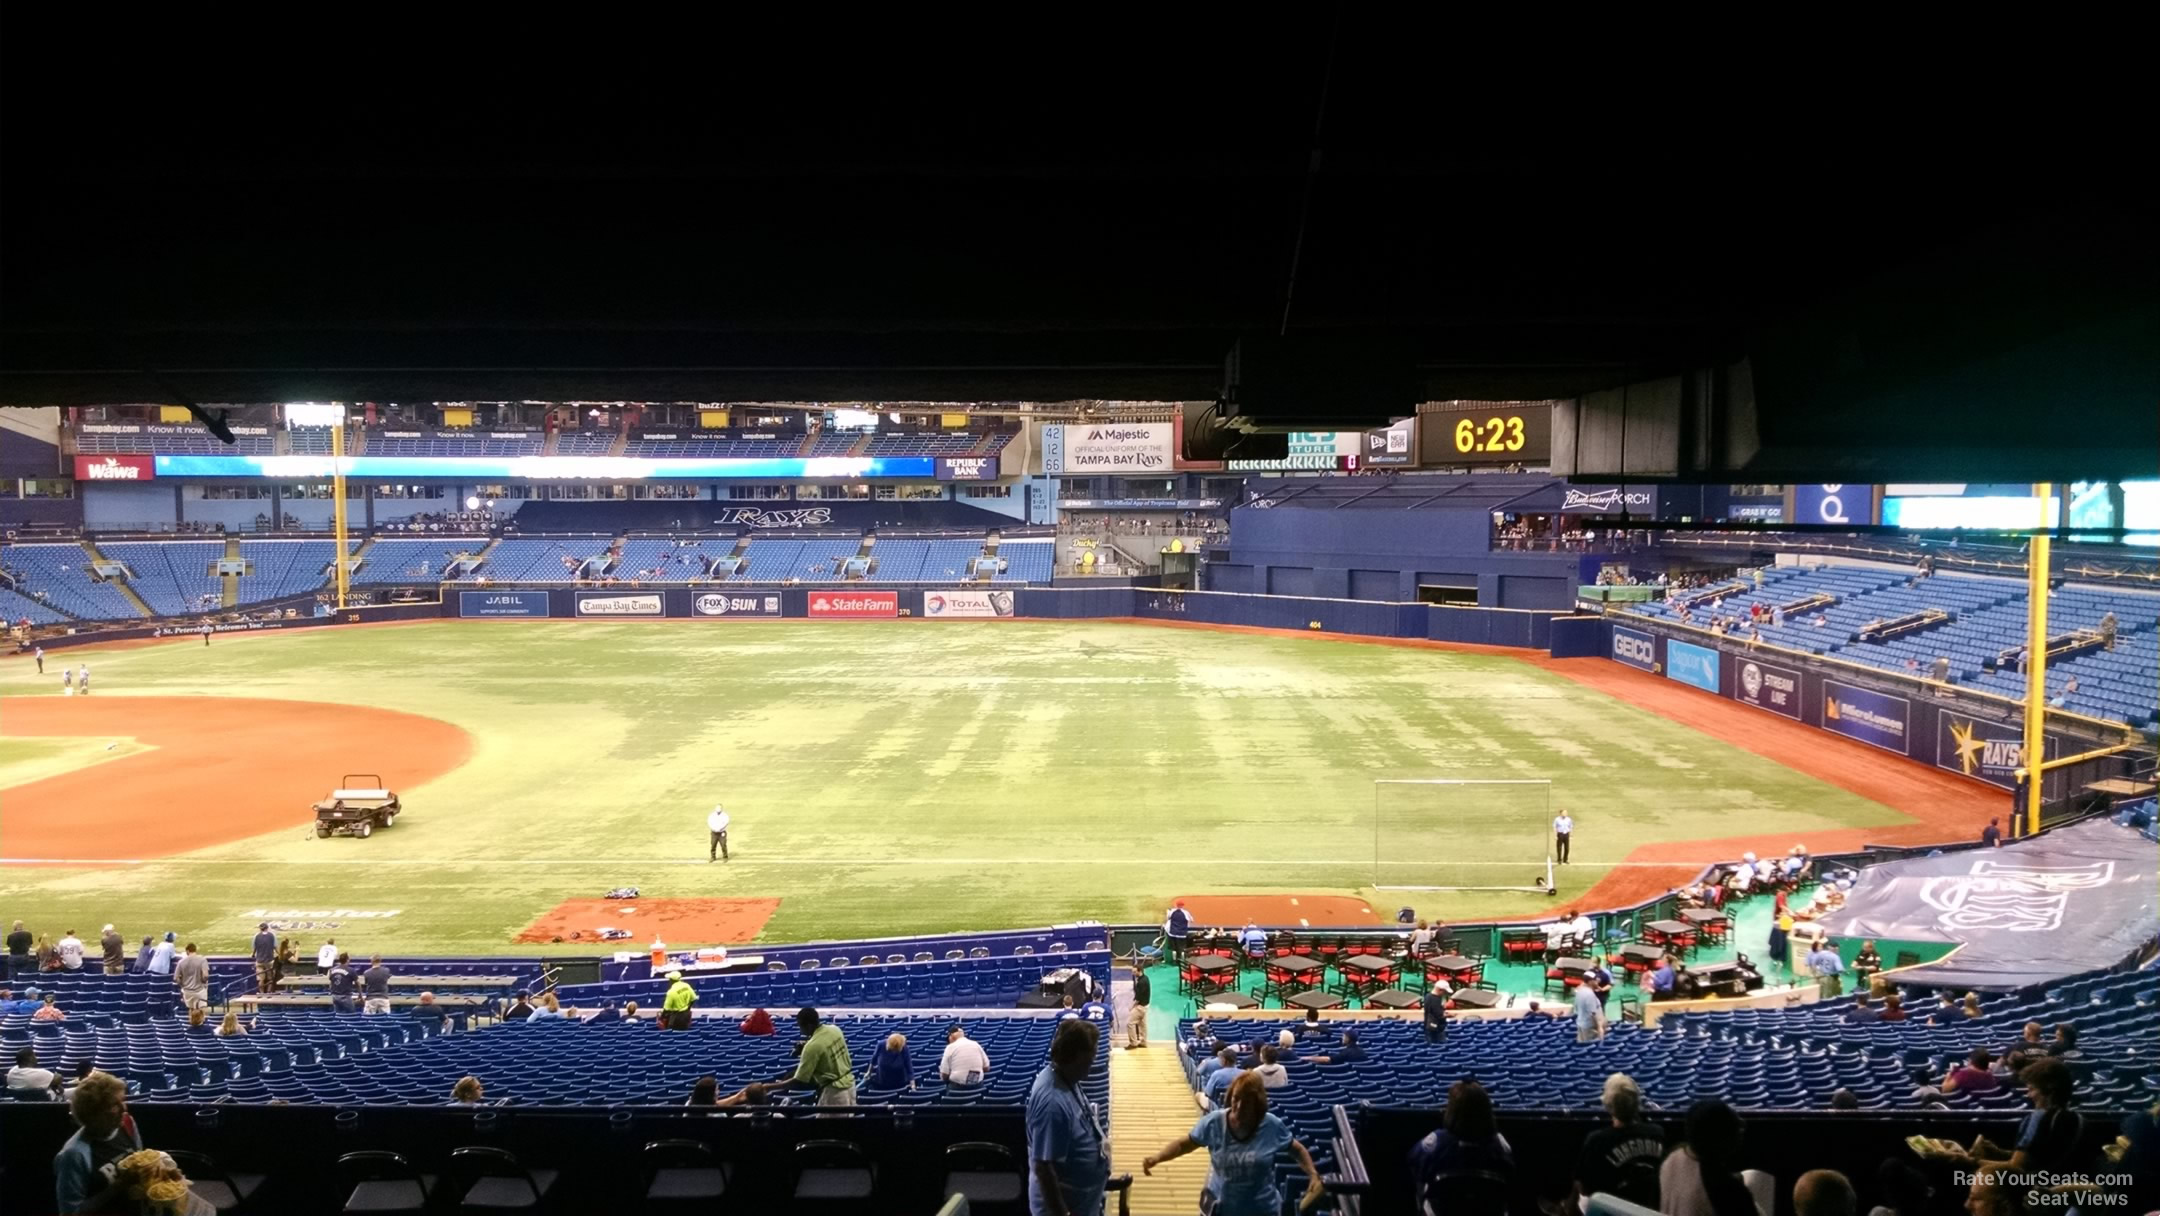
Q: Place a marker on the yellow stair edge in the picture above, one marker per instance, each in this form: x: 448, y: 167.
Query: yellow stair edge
x: 1150, y: 1106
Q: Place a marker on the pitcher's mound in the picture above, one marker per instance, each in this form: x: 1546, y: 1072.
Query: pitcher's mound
x: 1290, y: 911
x: 678, y: 922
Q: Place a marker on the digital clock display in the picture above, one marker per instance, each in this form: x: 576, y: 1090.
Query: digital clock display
x: 1498, y: 434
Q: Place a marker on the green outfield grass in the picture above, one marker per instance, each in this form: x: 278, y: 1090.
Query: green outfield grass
x: 895, y: 776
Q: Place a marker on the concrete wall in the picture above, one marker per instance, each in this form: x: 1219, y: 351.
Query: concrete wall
x: 1386, y: 555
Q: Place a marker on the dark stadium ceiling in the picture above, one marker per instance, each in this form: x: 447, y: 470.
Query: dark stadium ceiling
x: 1922, y: 277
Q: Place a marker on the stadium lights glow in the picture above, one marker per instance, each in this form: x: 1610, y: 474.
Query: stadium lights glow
x: 472, y: 502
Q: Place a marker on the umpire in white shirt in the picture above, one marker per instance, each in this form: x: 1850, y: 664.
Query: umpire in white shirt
x: 717, y: 824
x: 1563, y: 828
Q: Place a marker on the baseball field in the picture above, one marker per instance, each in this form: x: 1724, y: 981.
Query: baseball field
x: 883, y: 777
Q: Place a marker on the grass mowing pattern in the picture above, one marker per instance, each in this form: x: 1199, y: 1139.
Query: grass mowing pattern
x: 892, y: 777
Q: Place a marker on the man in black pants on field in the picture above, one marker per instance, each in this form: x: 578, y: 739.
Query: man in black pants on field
x: 717, y: 824
x: 1563, y: 829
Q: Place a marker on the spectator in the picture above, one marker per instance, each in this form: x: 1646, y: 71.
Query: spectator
x: 1863, y: 1011
x: 161, y: 959
x: 467, y: 1092
x: 142, y: 956
x: 1589, y: 1014
x: 1271, y: 1071
x: 1435, y: 1007
x: 2065, y: 1044
x: 1069, y: 1164
x: 964, y: 1062
x: 1225, y: 1058
x: 630, y: 1014
x: 1312, y: 1025
x: 283, y: 964
x: 18, y: 942
x: 1824, y: 1193
x: 520, y: 1008
x: 1842, y: 1098
x: 2048, y: 1139
x: 675, y: 1006
x: 1661, y: 980
x: 198, y: 1017
x: 1421, y: 940
x: 84, y: 1170
x: 1893, y: 1008
x: 48, y: 1012
x: 890, y: 1067
x: 549, y: 1009
x: 375, y: 987
x: 1215, y: 1091
x: 1349, y: 1053
x: 1468, y: 1142
x: 1095, y: 1011
x: 27, y: 1079
x: 342, y: 984
x: 1254, y: 940
x: 1621, y: 1158
x: 1702, y: 1176
x: 114, y: 950
x: 229, y: 1028
x: 70, y: 950
x: 327, y: 956
x: 26, y: 1003
x: 825, y: 1066
x: 758, y: 1023
x: 1903, y: 1190
x: 265, y: 951
x: 1991, y: 835
x: 192, y: 976
x: 1243, y: 1143
x: 1973, y: 1076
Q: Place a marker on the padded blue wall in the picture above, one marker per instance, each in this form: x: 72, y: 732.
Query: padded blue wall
x: 1381, y: 554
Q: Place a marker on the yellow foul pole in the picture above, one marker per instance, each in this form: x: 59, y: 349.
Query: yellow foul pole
x: 337, y: 507
x: 2036, y: 637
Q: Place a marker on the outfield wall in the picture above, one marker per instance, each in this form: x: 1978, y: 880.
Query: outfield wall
x: 1979, y: 738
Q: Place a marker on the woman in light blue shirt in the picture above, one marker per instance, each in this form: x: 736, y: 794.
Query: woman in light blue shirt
x: 1243, y: 1143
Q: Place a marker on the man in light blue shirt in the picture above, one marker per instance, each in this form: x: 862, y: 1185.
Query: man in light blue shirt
x: 1254, y: 939
x: 1226, y: 1058
x: 1589, y: 1014
x: 1828, y: 969
x: 1069, y: 1165
x: 1216, y: 1088
x: 1661, y: 980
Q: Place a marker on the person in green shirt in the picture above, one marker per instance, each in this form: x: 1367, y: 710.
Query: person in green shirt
x: 825, y: 1065
x: 675, y: 1007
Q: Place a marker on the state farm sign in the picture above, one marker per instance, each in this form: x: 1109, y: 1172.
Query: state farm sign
x: 115, y: 468
x: 858, y: 604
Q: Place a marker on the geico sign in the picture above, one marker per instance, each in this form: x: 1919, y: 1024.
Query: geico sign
x: 1634, y: 647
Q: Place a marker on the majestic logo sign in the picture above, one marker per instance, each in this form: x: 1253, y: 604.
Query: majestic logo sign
x: 1134, y: 447
x: 759, y: 517
x: 736, y: 605
x: 854, y: 604
x: 115, y: 468
x: 619, y: 605
x: 2012, y: 898
x: 1634, y: 649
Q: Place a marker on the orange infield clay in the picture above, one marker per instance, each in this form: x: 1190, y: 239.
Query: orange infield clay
x: 678, y: 922
x: 1330, y: 911
x: 223, y: 769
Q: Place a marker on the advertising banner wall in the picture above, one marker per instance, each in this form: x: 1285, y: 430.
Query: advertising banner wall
x: 601, y: 604
x: 1124, y: 447
x: 1871, y: 717
x: 1634, y: 648
x: 503, y: 603
x: 552, y: 468
x: 1394, y: 444
x: 1696, y: 666
x: 716, y: 604
x: 1309, y: 450
x: 1766, y: 686
x: 1833, y: 504
x: 968, y: 603
x: 860, y: 605
x: 967, y: 468
x: 115, y: 468
x: 1973, y: 747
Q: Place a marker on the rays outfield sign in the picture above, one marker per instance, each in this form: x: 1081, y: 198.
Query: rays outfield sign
x: 1875, y: 718
x: 714, y: 604
x: 1766, y: 686
x: 1984, y: 751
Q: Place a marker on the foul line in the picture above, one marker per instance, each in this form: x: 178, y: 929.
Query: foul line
x: 721, y: 867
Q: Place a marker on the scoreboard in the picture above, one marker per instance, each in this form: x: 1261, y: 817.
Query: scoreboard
x: 1485, y: 433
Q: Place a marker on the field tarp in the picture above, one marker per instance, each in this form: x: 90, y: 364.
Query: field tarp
x: 2071, y: 901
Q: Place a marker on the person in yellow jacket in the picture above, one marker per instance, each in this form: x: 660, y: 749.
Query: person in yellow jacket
x: 675, y: 1007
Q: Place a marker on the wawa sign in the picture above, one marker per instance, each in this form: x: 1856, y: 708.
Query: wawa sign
x: 115, y: 468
